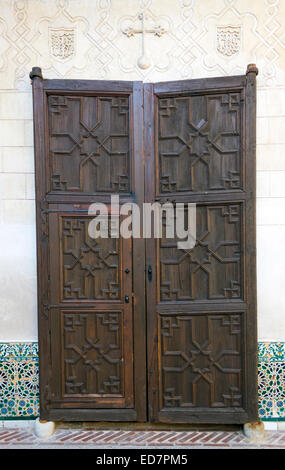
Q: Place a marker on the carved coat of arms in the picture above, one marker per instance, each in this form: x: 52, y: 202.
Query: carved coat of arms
x: 228, y: 40
x: 62, y: 43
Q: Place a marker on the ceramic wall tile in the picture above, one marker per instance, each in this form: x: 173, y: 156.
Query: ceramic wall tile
x: 271, y: 380
x: 19, y: 380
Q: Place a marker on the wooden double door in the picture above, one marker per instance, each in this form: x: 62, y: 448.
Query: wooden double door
x: 134, y: 329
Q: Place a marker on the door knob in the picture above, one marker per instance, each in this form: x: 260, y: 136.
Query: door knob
x: 127, y: 299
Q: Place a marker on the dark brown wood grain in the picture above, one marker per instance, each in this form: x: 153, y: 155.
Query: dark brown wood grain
x: 88, y: 145
x: 200, y: 148
x: 183, y: 350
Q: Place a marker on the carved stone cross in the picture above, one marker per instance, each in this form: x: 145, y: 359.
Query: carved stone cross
x: 144, y: 61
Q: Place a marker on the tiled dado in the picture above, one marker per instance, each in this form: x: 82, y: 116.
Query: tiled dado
x: 19, y: 383
x: 271, y: 381
x: 19, y: 389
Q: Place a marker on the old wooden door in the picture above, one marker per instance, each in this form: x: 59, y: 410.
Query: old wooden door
x: 200, y: 148
x: 88, y: 145
x: 187, y: 141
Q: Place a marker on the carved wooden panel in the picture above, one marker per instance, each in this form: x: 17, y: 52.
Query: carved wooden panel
x: 195, y: 138
x: 89, y: 143
x: 212, y: 269
x: 199, y: 142
x: 92, y: 353
x: 201, y: 360
x: 90, y: 267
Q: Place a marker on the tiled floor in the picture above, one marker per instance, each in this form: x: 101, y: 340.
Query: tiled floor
x: 104, y: 439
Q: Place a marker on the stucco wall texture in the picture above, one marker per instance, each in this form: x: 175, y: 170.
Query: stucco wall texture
x: 185, y: 39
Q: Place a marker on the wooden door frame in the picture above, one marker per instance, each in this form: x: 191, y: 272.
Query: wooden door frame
x: 246, y: 83
x: 41, y: 88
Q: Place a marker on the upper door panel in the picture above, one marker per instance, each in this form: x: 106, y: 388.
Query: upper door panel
x: 199, y: 139
x: 92, y: 132
x: 89, y: 139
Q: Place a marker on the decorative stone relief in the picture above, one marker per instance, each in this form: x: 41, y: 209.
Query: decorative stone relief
x: 181, y: 39
x: 62, y: 43
x: 228, y: 40
x: 57, y: 37
x: 223, y: 29
x: 143, y: 61
x: 144, y: 32
x: 258, y: 39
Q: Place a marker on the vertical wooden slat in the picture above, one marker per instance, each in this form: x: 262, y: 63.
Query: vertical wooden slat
x: 42, y: 237
x: 139, y: 259
x: 150, y: 180
x: 250, y: 240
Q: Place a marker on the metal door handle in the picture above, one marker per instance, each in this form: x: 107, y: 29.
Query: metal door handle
x: 127, y: 299
x: 149, y: 273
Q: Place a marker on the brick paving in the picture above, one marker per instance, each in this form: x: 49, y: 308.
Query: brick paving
x: 104, y: 439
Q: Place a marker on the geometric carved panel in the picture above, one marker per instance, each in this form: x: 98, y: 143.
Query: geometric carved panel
x: 199, y: 142
x: 201, y: 360
x: 89, y: 143
x: 90, y: 267
x: 92, y: 353
x: 210, y: 270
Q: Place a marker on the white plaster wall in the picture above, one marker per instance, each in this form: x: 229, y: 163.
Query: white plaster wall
x: 188, y: 49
